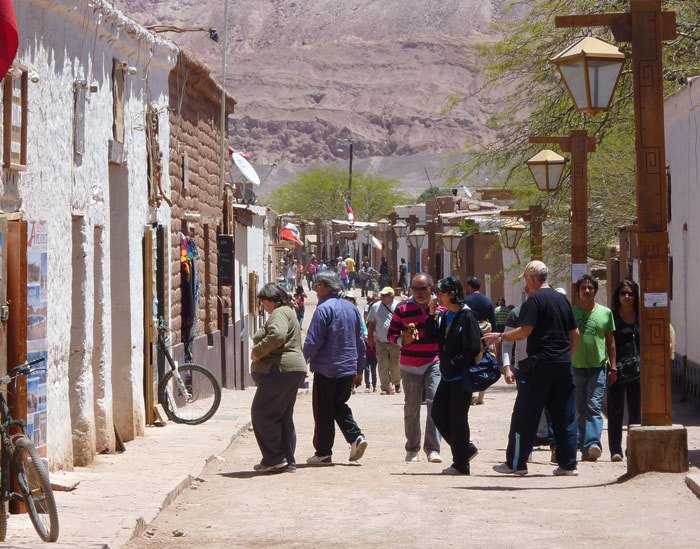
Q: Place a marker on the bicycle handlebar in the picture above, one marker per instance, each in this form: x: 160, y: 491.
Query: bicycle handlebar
x: 22, y: 369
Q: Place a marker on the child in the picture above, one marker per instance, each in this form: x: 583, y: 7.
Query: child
x: 299, y: 304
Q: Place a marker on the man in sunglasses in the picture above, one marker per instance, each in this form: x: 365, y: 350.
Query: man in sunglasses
x: 420, y: 368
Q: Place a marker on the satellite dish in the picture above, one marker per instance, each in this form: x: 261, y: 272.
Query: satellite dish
x: 467, y: 191
x: 245, y: 168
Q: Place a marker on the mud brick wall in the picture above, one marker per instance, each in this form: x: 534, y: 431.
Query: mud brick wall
x: 195, y: 116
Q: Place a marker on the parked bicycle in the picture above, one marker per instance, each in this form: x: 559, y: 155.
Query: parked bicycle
x: 20, y: 460
x: 189, y: 393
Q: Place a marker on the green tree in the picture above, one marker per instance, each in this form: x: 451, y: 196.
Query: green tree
x: 433, y: 192
x: 321, y: 192
x: 537, y: 103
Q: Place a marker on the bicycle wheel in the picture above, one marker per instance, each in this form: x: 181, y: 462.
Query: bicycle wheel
x: 36, y: 489
x: 189, y: 395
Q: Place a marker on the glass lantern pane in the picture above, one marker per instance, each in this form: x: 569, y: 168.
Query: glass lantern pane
x: 603, y: 77
x: 575, y: 76
x: 555, y: 171
x: 539, y: 173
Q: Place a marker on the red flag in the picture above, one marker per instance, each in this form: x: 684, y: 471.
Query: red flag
x: 351, y: 214
x: 291, y: 233
x: 9, y: 38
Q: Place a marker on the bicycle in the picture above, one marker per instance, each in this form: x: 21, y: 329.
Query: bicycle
x: 189, y: 393
x: 21, y: 460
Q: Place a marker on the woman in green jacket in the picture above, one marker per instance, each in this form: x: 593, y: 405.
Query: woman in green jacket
x: 278, y: 368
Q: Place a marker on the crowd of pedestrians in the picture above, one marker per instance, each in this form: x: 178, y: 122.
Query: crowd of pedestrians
x: 562, y: 359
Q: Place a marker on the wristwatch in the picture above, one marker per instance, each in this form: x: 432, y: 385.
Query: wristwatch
x: 500, y: 338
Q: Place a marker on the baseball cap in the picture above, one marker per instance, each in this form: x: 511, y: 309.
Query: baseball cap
x: 534, y: 268
x: 350, y: 295
x: 387, y: 290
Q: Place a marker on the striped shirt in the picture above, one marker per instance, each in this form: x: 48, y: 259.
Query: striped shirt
x: 421, y: 352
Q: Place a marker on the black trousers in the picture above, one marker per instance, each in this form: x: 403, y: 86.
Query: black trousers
x: 272, y: 414
x: 616, y: 411
x: 451, y: 417
x: 329, y: 400
x: 551, y: 384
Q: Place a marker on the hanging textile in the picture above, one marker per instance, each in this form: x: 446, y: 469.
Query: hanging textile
x: 190, y: 291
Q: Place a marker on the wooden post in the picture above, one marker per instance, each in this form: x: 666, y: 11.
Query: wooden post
x: 646, y: 27
x: 17, y: 329
x: 578, y: 144
x: 412, y: 221
x: 536, y: 220
x: 432, y: 250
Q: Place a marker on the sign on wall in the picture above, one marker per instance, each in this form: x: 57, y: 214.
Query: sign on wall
x: 37, y: 342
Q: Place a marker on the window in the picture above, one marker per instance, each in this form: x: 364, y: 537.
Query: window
x: 15, y: 118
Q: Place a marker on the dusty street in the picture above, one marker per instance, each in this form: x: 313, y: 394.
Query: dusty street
x: 385, y: 502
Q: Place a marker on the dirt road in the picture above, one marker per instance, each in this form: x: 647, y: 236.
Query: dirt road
x: 385, y: 502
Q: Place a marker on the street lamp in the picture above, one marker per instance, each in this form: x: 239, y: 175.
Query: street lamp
x: 590, y: 69
x: 546, y: 168
x: 383, y: 224
x: 511, y: 233
x: 450, y: 241
x: 341, y: 143
x: 658, y: 444
x: 416, y: 238
x: 400, y: 228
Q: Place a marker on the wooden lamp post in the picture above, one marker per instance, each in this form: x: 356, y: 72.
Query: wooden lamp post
x: 578, y: 144
x: 657, y: 445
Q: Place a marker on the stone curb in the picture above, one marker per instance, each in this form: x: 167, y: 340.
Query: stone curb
x: 169, y: 497
x: 693, y: 482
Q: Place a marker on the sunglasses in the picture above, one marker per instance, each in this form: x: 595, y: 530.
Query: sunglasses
x: 420, y: 288
x: 626, y: 294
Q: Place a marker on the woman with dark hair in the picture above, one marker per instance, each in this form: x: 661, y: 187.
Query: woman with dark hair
x: 625, y: 307
x: 278, y: 368
x: 459, y: 338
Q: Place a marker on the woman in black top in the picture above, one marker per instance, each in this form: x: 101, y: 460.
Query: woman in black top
x: 625, y: 307
x: 459, y: 338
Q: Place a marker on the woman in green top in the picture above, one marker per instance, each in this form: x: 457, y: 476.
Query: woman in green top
x: 278, y: 368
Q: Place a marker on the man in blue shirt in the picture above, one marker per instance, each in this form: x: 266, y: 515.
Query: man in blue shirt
x: 335, y: 350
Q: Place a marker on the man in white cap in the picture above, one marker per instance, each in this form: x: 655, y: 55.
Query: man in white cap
x: 378, y: 321
x: 548, y: 323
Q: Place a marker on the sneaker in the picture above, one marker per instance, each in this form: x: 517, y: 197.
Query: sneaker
x: 594, y: 453
x: 617, y: 457
x: 319, y: 460
x: 434, y: 457
x: 412, y: 457
x: 454, y: 471
x: 398, y: 388
x: 553, y: 457
x: 559, y: 472
x: 357, y: 448
x: 506, y: 469
x: 290, y: 468
x: 260, y: 468
x: 473, y: 451
x: 385, y: 392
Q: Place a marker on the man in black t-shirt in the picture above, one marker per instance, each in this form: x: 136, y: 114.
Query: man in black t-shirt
x: 548, y: 323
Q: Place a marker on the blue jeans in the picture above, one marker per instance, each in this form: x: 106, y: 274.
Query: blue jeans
x: 590, y: 388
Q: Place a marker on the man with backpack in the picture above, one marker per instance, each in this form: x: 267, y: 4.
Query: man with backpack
x: 483, y: 308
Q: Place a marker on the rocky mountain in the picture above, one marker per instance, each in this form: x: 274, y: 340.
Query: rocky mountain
x: 308, y: 72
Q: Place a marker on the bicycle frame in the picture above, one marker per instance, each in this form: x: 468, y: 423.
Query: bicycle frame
x: 7, y: 448
x: 162, y: 327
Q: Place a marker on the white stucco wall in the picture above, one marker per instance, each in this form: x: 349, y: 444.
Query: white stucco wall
x: 682, y: 121
x: 65, y: 41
